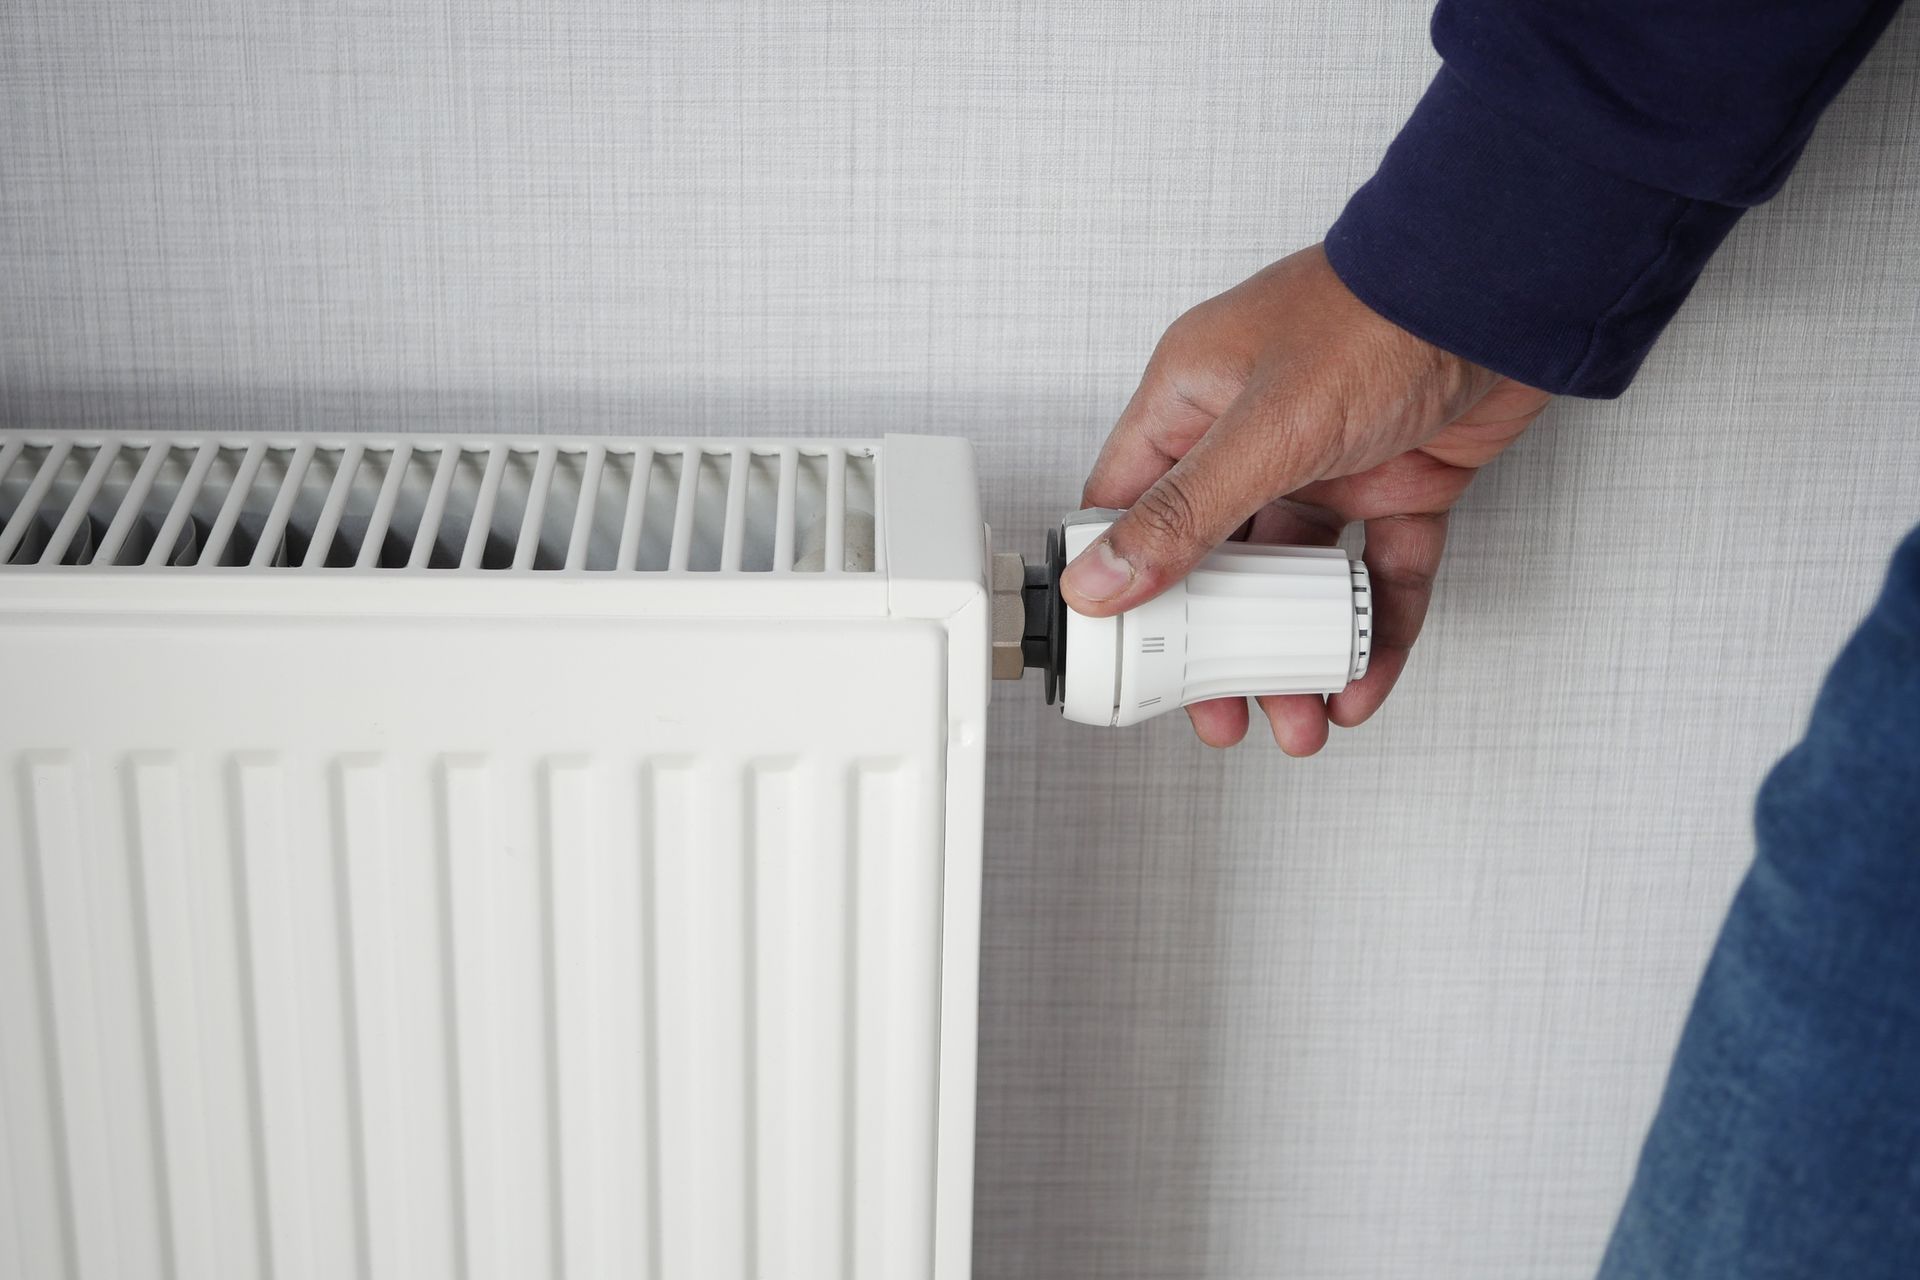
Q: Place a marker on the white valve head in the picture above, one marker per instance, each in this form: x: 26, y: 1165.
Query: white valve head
x: 1249, y: 620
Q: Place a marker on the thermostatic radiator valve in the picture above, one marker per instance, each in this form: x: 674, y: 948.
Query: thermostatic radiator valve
x: 1249, y: 620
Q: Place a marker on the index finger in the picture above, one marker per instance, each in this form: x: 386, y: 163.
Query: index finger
x: 1260, y: 448
x: 1153, y: 432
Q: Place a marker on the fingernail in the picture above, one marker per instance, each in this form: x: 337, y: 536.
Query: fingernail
x: 1098, y: 574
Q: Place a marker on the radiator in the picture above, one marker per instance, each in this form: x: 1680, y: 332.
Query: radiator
x: 486, y: 857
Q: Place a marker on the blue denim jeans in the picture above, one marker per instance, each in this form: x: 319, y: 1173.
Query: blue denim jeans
x: 1788, y: 1140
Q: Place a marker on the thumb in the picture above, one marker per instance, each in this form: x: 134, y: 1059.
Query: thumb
x: 1245, y: 461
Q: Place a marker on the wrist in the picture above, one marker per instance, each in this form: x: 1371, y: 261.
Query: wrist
x: 1492, y: 244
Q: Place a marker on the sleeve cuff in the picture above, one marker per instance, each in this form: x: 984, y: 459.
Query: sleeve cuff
x: 1492, y: 244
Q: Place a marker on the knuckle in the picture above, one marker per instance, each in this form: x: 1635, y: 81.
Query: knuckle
x: 1184, y: 326
x: 1168, y: 513
x: 1186, y: 346
x: 1417, y: 580
x: 1404, y: 568
x: 1169, y: 352
x: 1196, y: 368
x: 1159, y: 381
x: 1171, y: 365
x: 1407, y: 578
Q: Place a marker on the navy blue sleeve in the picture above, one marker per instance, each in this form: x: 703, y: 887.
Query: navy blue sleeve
x: 1561, y: 185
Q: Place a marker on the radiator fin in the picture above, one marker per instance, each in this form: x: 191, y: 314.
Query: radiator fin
x: 895, y: 1028
x: 801, y: 983
x: 376, y: 503
x: 58, y: 874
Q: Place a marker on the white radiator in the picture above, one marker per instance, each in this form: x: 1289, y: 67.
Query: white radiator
x: 492, y: 858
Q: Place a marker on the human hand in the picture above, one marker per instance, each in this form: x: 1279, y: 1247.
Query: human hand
x: 1288, y: 406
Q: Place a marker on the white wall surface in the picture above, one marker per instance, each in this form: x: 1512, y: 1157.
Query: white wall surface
x: 1400, y: 1011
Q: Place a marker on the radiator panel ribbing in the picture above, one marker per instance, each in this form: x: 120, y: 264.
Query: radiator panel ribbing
x: 593, y: 987
x: 417, y: 970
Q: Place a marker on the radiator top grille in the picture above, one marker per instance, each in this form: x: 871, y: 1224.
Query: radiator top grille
x: 423, y: 503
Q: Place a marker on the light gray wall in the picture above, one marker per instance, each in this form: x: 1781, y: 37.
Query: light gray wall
x: 1399, y: 1011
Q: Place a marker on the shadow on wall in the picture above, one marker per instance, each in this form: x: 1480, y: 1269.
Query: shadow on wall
x: 1101, y: 1005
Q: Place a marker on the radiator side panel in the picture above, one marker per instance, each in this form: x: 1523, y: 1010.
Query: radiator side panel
x: 406, y: 948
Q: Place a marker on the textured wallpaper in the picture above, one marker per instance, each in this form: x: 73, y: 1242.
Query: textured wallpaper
x: 1399, y: 1011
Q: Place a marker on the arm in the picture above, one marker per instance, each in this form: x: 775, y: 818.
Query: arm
x: 1573, y: 166
x: 1533, y: 228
